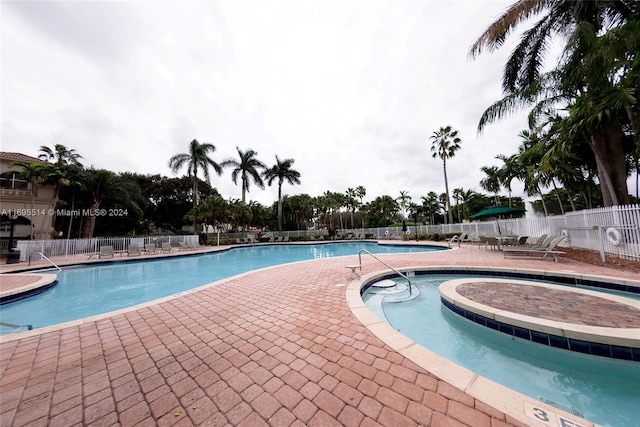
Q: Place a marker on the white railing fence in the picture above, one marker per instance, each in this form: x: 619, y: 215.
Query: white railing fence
x: 71, y: 247
x: 613, y: 231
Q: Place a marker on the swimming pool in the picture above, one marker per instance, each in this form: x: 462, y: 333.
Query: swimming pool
x: 88, y: 290
x: 599, y: 389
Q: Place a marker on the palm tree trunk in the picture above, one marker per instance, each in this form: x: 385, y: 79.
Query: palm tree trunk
x: 555, y: 190
x: 280, y: 205
x: 609, y: 153
x: 73, y: 204
x: 446, y: 188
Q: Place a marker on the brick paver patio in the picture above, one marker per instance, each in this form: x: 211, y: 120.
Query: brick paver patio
x: 278, y: 347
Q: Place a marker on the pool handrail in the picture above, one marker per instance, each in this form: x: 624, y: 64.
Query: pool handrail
x: 45, y: 257
x: 398, y: 272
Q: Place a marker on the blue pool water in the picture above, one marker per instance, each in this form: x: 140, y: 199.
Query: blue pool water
x: 89, y: 290
x: 603, y: 390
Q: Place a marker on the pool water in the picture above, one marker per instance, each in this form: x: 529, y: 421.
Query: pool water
x: 89, y: 290
x: 602, y: 390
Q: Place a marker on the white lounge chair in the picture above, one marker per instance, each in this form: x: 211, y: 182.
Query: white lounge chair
x: 134, y: 250
x: 166, y: 247
x: 548, y: 248
x: 106, y: 252
x: 150, y: 248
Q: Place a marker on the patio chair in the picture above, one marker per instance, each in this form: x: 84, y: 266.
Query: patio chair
x: 286, y: 239
x: 106, y: 252
x: 150, y: 248
x: 182, y: 246
x: 492, y: 242
x: 133, y: 250
x: 166, y: 247
x: 543, y: 251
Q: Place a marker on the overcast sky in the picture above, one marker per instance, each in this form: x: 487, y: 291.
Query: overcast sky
x: 352, y: 90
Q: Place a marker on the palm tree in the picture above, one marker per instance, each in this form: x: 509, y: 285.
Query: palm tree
x: 63, y: 164
x: 103, y: 184
x: 445, y: 143
x: 458, y: 194
x: 197, y: 158
x: 360, y: 193
x: 404, y: 200
x: 59, y: 155
x: 248, y: 166
x: 352, y: 203
x: 430, y: 206
x: 508, y: 171
x: 283, y: 172
x: 595, y: 80
x: 491, y: 181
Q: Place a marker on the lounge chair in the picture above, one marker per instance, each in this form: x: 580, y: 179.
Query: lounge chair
x: 106, y: 252
x: 548, y: 248
x: 133, y: 250
x: 286, y: 239
x: 150, y: 248
x: 182, y: 246
x: 464, y: 238
x: 166, y: 247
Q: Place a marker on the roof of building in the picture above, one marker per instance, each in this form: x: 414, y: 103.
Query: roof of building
x: 19, y: 157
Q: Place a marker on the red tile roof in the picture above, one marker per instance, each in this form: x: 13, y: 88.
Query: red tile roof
x: 19, y: 157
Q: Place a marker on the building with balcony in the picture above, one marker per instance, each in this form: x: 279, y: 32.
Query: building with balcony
x: 27, y: 204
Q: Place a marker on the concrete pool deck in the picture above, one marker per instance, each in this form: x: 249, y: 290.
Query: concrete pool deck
x: 292, y: 354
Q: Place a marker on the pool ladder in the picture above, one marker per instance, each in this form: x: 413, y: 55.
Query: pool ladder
x: 398, y: 272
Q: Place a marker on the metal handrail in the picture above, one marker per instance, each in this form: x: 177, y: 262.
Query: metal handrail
x: 398, y: 272
x: 45, y: 257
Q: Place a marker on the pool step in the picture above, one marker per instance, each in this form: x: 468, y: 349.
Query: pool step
x: 403, y: 296
x: 395, y: 291
x: 386, y: 283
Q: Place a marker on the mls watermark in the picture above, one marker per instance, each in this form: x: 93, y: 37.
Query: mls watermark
x: 66, y: 212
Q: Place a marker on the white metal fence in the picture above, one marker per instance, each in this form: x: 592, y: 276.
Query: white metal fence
x: 72, y: 247
x: 613, y: 231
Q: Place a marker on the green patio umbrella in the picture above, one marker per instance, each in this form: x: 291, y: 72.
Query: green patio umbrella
x: 496, y: 211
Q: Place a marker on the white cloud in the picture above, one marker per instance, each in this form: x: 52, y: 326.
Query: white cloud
x: 351, y: 90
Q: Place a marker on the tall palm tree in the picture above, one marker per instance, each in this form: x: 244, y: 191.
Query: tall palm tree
x: 404, y: 200
x: 248, y: 166
x: 595, y: 79
x: 360, y: 193
x: 352, y: 203
x: 196, y: 158
x: 282, y: 171
x: 444, y: 144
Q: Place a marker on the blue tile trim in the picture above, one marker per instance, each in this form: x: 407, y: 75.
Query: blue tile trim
x: 586, y: 347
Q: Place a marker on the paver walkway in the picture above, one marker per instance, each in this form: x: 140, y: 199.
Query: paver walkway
x: 272, y: 347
